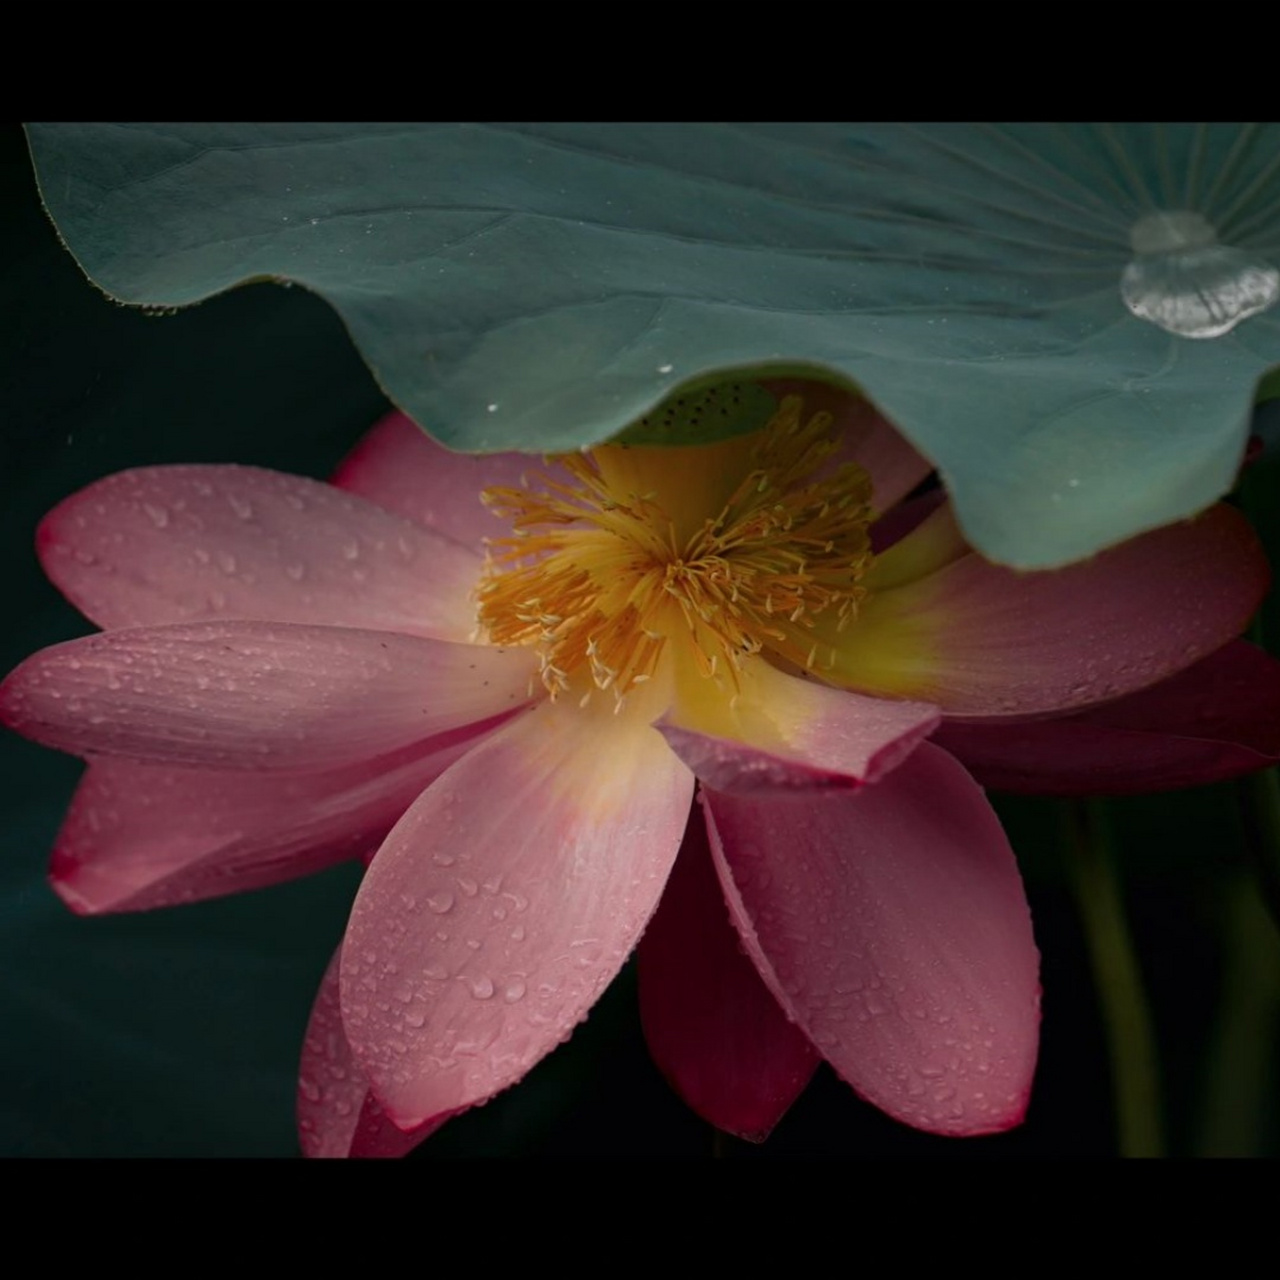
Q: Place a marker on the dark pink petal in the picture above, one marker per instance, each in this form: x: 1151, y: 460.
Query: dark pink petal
x: 981, y: 640
x: 1217, y: 719
x: 168, y: 544
x: 891, y: 926
x: 712, y: 1027
x: 869, y: 438
x: 139, y: 836
x: 401, y: 468
x: 925, y: 539
x: 337, y: 1113
x: 785, y: 734
x: 253, y: 695
x: 504, y: 902
x: 894, y: 525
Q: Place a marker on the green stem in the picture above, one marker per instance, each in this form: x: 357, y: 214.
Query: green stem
x: 1135, y: 1071
x: 1238, y: 1086
x: 1259, y: 807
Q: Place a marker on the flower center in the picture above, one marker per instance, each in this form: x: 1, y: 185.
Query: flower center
x: 641, y: 556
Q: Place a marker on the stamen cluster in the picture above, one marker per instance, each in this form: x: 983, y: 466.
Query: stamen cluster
x: 602, y: 583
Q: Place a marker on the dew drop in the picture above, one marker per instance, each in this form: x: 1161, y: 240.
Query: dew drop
x: 441, y: 902
x: 1182, y: 280
x: 157, y: 515
x: 240, y: 505
x: 513, y: 991
x: 296, y: 571
x: 482, y: 988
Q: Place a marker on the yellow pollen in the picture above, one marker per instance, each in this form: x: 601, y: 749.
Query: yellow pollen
x: 610, y: 577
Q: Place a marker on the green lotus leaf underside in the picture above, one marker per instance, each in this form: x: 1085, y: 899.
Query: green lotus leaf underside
x: 1071, y: 321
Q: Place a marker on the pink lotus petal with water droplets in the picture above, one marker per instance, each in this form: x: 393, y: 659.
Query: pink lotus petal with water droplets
x: 139, y: 836
x: 891, y: 925
x: 981, y: 640
x: 337, y: 1113
x: 402, y: 469
x: 786, y: 735
x: 712, y: 1027
x: 168, y: 544
x: 253, y: 695
x: 1217, y: 719
x: 504, y: 902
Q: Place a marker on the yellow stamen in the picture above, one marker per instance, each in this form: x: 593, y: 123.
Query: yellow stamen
x: 597, y: 575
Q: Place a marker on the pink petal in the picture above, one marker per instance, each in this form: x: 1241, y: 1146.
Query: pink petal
x: 337, y: 1112
x: 786, y: 734
x: 168, y: 544
x: 712, y: 1027
x: 504, y: 902
x: 401, y: 468
x: 892, y: 927
x: 869, y: 438
x: 982, y: 640
x: 139, y: 836
x: 1217, y: 719
x: 251, y: 695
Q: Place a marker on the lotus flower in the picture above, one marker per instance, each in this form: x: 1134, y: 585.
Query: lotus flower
x: 506, y: 719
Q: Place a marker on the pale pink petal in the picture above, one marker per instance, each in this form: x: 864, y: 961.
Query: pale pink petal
x: 338, y: 1115
x: 869, y: 438
x: 400, y: 467
x: 1218, y: 719
x: 168, y: 544
x: 891, y: 926
x: 253, y: 695
x: 981, y: 640
x: 504, y: 902
x: 784, y: 734
x: 712, y: 1027
x: 139, y: 836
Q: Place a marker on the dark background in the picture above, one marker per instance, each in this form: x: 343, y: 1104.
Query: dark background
x: 177, y: 1032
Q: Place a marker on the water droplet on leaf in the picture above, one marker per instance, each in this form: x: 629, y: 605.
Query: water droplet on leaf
x: 1185, y: 282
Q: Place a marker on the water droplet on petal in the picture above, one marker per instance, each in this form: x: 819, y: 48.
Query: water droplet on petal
x: 441, y: 902
x: 482, y: 988
x: 157, y: 515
